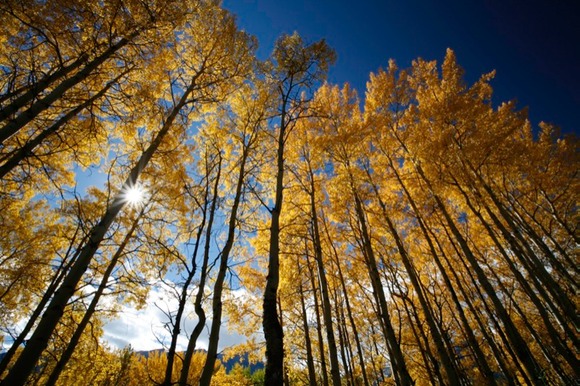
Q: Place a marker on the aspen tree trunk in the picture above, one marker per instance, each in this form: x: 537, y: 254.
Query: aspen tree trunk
x: 557, y: 342
x: 307, y: 341
x: 177, y: 327
x: 480, y: 358
x: 491, y: 315
x: 558, y: 371
x: 298, y: 67
x: 39, y: 106
x: 39, y: 339
x: 271, y: 324
x: 74, y: 340
x: 326, y: 310
x: 350, y: 368
x: 519, y: 218
x: 402, y: 375
x: 538, y: 265
x: 360, y: 354
x: 552, y: 210
x: 208, y: 368
x: 286, y: 376
x: 190, y: 277
x: 374, y: 303
x: 343, y: 341
x: 532, y: 263
x: 423, y: 343
x: 399, y: 366
x: 27, y: 149
x: 199, y: 311
x: 57, y: 279
x: 348, y: 307
x: 379, y: 374
x: 509, y: 334
x: 450, y: 372
x: 519, y: 345
x: 37, y: 88
x: 530, y: 232
x: 474, y: 345
x: 559, y: 302
x: 321, y: 349
x: 447, y: 340
x: 540, y: 288
x: 498, y: 355
x: 184, y: 291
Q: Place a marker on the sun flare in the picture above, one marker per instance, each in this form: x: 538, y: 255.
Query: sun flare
x: 135, y: 195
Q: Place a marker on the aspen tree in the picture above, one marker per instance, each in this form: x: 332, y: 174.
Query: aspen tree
x: 344, y: 127
x: 297, y: 68
x: 251, y: 110
x: 208, y: 74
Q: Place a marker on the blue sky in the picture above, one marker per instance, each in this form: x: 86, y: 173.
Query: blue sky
x: 533, y: 45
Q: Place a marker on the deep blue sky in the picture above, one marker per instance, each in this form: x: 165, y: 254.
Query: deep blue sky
x: 533, y: 45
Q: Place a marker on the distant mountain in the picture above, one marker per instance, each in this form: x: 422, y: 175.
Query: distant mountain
x: 242, y: 360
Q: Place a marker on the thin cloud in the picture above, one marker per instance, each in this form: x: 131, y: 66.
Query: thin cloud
x: 145, y: 330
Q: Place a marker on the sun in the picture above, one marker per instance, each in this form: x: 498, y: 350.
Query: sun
x: 135, y: 195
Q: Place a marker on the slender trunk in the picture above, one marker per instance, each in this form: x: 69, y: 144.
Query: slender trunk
x: 57, y: 279
x: 532, y: 263
x: 402, y: 375
x: 326, y: 310
x: 27, y: 149
x: 286, y: 376
x: 563, y: 375
x: 559, y: 302
x: 348, y: 307
x: 431, y: 366
x: 492, y: 316
x: 448, y: 366
x: 321, y: 349
x: 375, y: 304
x: 345, y: 350
x: 184, y: 291
x: 554, y: 212
x: 307, y: 342
x: 14, y: 125
x: 475, y: 347
x: 379, y: 372
x: 571, y: 267
x: 185, y: 286
x: 498, y: 355
x: 171, y: 353
x: 506, y: 213
x: 402, y: 291
x: 208, y: 368
x: 271, y: 324
x: 548, y: 323
x: 33, y: 90
x: 39, y: 340
x: 519, y: 345
x: 74, y: 340
x: 199, y: 311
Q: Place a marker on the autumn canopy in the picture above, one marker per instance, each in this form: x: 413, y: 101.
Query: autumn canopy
x: 413, y: 233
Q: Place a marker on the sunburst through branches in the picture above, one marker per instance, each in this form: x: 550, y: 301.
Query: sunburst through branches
x: 135, y: 195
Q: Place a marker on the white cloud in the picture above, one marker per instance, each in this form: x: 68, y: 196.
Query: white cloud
x: 145, y: 329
